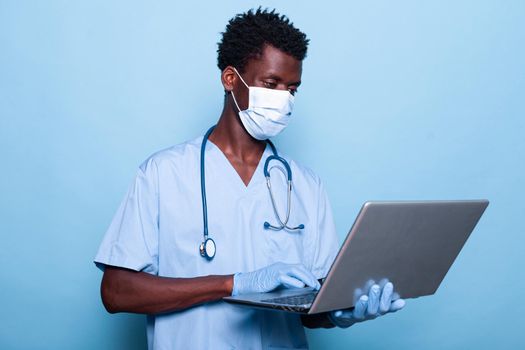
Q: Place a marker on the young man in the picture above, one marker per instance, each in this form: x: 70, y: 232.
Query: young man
x: 155, y: 258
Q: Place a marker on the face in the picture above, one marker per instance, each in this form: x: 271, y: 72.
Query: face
x: 273, y: 70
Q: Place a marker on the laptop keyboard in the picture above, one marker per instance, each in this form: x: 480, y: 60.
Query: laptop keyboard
x: 301, y: 299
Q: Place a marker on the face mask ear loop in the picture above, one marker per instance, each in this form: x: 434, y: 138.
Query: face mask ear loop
x: 235, y: 69
x: 233, y: 95
x: 235, y: 101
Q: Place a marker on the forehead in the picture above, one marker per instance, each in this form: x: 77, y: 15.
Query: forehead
x: 274, y: 62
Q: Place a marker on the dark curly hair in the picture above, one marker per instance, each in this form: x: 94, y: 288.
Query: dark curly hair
x: 247, y: 33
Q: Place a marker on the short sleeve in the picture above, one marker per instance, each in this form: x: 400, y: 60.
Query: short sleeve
x: 327, y: 242
x: 131, y: 240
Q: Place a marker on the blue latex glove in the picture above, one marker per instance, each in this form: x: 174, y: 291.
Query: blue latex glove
x: 378, y: 302
x: 273, y: 276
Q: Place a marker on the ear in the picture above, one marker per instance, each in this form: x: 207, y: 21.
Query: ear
x: 228, y: 77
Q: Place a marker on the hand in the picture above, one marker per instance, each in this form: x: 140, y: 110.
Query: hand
x: 378, y: 302
x: 273, y: 276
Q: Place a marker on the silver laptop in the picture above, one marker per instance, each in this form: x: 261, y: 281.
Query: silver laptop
x: 409, y: 243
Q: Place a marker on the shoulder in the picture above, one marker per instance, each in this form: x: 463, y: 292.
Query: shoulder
x: 174, y: 157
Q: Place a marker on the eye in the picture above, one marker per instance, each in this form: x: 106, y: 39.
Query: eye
x: 270, y: 84
x: 293, y: 91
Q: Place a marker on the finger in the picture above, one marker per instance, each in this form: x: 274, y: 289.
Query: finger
x: 386, y: 298
x: 290, y: 282
x: 301, y: 273
x: 360, y: 308
x: 373, y: 300
x: 397, y: 305
x: 306, y: 276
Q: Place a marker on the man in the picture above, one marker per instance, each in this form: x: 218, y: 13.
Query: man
x: 152, y: 256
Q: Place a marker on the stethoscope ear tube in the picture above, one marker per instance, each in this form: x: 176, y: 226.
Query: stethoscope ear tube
x: 267, y: 226
x: 288, y: 174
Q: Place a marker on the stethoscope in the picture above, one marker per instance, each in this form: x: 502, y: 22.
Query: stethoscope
x: 208, y: 248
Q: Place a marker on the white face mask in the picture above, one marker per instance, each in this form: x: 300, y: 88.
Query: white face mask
x: 268, y: 111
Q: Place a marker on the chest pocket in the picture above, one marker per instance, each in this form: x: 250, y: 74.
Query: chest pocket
x: 285, y: 246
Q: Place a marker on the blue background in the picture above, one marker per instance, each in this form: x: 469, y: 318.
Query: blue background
x: 401, y: 100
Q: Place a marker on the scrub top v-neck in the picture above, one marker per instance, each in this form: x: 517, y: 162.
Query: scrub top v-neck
x: 229, y: 168
x: 158, y: 228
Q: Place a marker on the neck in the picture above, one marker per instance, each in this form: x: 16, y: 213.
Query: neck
x: 231, y: 137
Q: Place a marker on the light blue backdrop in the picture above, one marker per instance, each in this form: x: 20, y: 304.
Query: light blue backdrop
x: 401, y: 100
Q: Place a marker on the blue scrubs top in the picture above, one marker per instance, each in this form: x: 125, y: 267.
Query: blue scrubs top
x: 158, y: 229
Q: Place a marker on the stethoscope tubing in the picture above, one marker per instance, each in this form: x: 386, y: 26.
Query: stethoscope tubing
x: 283, y: 224
x: 203, y: 182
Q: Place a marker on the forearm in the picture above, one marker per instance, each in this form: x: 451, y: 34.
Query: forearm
x: 139, y: 292
x: 317, y: 321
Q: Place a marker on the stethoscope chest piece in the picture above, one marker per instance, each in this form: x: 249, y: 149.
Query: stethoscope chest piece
x: 208, y: 248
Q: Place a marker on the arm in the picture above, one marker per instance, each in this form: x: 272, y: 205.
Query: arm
x: 126, y: 290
